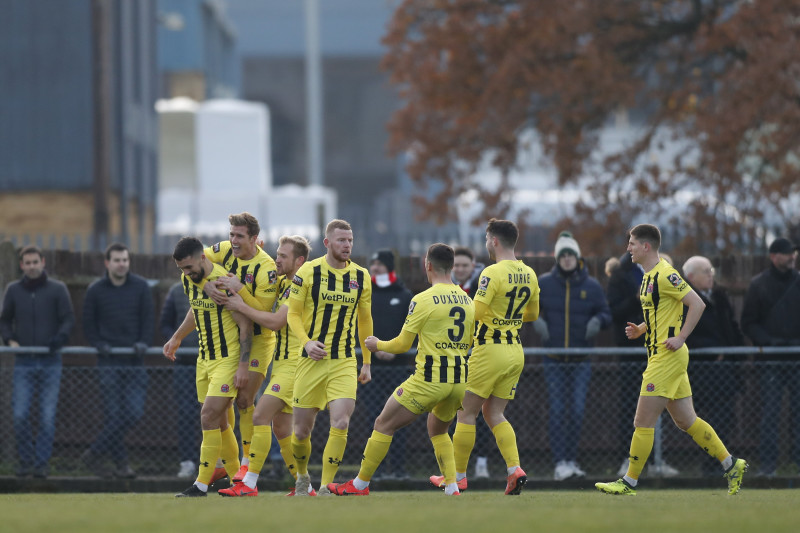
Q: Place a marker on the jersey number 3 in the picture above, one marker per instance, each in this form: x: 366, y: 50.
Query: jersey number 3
x: 459, y: 314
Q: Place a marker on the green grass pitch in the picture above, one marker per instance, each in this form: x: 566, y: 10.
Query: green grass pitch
x: 661, y: 511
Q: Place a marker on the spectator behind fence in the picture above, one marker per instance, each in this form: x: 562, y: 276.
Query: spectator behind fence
x: 466, y: 270
x: 390, y: 301
x: 573, y: 309
x: 183, y: 381
x: 37, y: 311
x: 771, y: 317
x: 712, y: 374
x: 118, y: 313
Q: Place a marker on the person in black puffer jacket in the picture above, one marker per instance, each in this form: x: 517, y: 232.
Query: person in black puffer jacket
x: 771, y: 317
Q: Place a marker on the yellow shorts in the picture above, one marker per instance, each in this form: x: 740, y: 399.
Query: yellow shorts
x: 318, y: 382
x: 666, y: 375
x: 215, y: 378
x: 420, y: 396
x: 281, y: 382
x: 494, y: 370
x: 263, y: 350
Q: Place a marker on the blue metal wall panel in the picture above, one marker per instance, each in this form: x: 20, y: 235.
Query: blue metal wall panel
x: 45, y: 95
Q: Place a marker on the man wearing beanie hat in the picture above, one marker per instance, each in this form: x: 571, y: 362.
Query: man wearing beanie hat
x: 573, y: 309
x: 390, y: 301
x: 771, y: 317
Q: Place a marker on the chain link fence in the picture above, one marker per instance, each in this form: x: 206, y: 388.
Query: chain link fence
x: 737, y: 394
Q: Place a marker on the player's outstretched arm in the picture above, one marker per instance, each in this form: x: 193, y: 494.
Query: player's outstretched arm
x: 267, y: 319
x: 186, y: 327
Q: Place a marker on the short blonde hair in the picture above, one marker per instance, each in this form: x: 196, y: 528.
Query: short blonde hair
x: 337, y: 223
x: 300, y: 245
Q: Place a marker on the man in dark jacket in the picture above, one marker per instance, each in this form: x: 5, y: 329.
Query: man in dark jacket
x: 771, y: 317
x: 37, y: 311
x: 465, y: 271
x: 573, y: 309
x: 118, y: 312
x: 390, y: 301
x: 714, y: 374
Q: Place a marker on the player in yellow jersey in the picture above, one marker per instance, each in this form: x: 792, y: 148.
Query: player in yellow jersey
x: 329, y: 296
x: 665, y: 383
x: 444, y: 318
x: 275, y: 405
x: 253, y: 275
x: 222, y: 364
x: 507, y: 296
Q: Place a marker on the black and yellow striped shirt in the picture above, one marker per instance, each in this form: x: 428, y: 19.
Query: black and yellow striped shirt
x: 443, y: 317
x: 287, y: 346
x: 661, y: 295
x: 331, y: 301
x: 258, y: 274
x: 217, y: 330
x: 507, y: 288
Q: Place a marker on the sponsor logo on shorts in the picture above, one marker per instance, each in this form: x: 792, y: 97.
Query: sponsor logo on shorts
x: 248, y: 278
x: 254, y: 363
x: 484, y: 282
x: 400, y: 391
x: 224, y: 388
x: 353, y: 284
x: 650, y: 387
x: 298, y: 281
x: 273, y: 277
x: 276, y: 388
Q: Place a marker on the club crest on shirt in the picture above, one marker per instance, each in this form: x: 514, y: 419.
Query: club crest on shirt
x: 254, y: 363
x: 484, y: 283
x: 215, y: 248
x: 273, y: 277
x: 650, y: 288
x: 276, y: 387
x: 248, y: 278
x: 286, y: 293
x: 298, y: 281
x: 353, y: 284
x: 224, y: 388
x: 675, y: 279
x: 411, y: 306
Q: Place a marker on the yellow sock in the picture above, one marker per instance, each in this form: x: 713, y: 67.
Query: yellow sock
x: 301, y: 451
x: 246, y: 429
x: 443, y: 449
x: 374, y: 453
x: 641, y: 446
x: 463, y: 443
x: 507, y: 443
x: 209, y: 451
x: 286, y: 453
x: 229, y: 452
x: 259, y: 448
x: 332, y: 455
x: 705, y: 436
